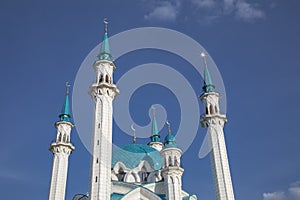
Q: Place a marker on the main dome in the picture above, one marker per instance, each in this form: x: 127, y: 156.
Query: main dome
x: 131, y: 156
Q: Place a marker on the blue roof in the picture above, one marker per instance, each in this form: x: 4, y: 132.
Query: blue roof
x: 170, y: 141
x: 105, y: 51
x: 132, y: 154
x: 208, y: 85
x: 155, y: 137
x: 65, y: 111
x: 116, y: 196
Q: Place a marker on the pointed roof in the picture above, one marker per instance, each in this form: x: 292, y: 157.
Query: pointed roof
x: 105, y: 51
x: 155, y: 137
x: 208, y: 85
x: 65, y: 114
x: 170, y: 141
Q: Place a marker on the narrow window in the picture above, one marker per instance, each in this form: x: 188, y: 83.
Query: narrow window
x: 98, y: 142
x: 101, y: 78
x: 96, y: 179
x: 106, y: 78
x: 97, y: 160
x: 216, y: 109
x: 211, y: 109
x: 206, y: 110
x: 99, y: 125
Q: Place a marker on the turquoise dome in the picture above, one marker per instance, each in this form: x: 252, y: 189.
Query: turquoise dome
x: 170, y: 141
x: 132, y: 154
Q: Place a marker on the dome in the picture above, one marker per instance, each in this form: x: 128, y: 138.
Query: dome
x: 131, y: 156
x: 170, y: 141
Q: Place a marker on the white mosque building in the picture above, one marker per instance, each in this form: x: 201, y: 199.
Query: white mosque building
x: 136, y: 171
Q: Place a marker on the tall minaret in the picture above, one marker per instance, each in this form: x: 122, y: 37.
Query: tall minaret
x: 171, y: 170
x: 103, y: 92
x: 214, y: 122
x: 155, y: 137
x: 61, y: 149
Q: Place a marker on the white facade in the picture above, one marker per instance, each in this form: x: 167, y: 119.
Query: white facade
x: 214, y: 122
x: 136, y: 171
x: 172, y: 173
x: 103, y: 92
x: 61, y: 150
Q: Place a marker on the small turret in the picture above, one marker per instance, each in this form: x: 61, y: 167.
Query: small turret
x: 171, y: 171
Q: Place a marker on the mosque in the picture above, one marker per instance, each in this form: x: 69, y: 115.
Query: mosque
x: 136, y: 171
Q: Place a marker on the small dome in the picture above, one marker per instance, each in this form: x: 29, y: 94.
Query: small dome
x: 131, y: 156
x: 170, y: 141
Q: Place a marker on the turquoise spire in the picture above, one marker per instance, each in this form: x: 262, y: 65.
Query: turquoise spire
x: 208, y: 85
x: 65, y: 111
x: 155, y: 137
x: 104, y: 51
x: 170, y: 141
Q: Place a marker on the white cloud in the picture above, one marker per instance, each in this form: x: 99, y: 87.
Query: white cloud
x: 248, y: 12
x: 293, y: 193
x: 240, y: 8
x: 274, y: 196
x: 165, y: 11
x: 168, y: 10
x: 204, y: 3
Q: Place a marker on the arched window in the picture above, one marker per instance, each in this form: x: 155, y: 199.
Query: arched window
x: 206, y: 110
x: 211, y: 109
x: 106, y: 78
x: 64, y: 139
x: 59, y: 137
x: 216, y: 109
x: 96, y: 179
x: 101, y: 78
x: 170, y: 161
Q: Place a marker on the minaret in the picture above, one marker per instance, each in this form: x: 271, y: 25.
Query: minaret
x: 155, y: 137
x: 61, y: 149
x: 214, y: 122
x: 171, y: 170
x: 103, y: 92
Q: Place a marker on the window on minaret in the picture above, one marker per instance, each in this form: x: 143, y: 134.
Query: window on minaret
x: 101, y: 78
x: 211, y: 109
x: 216, y: 109
x: 106, y: 78
x: 206, y: 110
x: 96, y: 179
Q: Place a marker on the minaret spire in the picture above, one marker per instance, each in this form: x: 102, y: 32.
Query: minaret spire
x: 65, y: 111
x: 61, y: 149
x: 105, y: 50
x: 208, y: 85
x: 103, y: 91
x: 214, y: 122
x: 155, y: 137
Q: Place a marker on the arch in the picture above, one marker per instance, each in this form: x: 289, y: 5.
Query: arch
x: 106, y: 79
x: 64, y: 138
x: 206, y: 110
x: 59, y: 137
x: 211, y: 109
x: 170, y: 161
x: 216, y: 109
x: 101, y: 78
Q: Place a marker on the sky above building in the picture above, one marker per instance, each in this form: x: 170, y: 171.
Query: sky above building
x: 255, y: 45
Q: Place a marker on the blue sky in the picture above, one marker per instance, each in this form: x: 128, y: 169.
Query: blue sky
x: 255, y: 45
